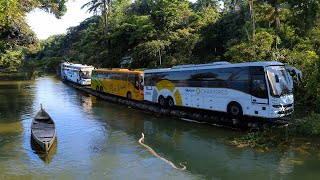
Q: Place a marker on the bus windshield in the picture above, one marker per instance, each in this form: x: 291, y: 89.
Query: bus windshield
x: 279, y: 81
x: 85, y: 74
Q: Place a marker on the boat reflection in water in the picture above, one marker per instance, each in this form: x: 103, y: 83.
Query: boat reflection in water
x: 46, y: 157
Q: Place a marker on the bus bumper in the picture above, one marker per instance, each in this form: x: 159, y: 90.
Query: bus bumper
x: 85, y: 82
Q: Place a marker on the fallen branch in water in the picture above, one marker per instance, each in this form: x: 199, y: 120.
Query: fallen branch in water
x: 183, y: 167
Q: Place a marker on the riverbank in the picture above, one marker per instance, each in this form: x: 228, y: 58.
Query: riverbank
x: 305, y: 131
x: 20, y: 76
x: 13, y: 76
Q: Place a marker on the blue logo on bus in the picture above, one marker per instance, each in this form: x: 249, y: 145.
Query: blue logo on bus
x: 190, y: 90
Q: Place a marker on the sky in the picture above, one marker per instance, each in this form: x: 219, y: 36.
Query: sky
x: 46, y: 25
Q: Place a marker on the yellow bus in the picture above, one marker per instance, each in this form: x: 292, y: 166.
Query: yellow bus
x: 120, y: 82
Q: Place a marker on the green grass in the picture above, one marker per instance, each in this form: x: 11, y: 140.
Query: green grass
x: 309, y: 125
x: 280, y: 138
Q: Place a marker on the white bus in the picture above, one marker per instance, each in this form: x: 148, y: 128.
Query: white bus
x: 78, y: 73
x: 260, y: 89
x: 64, y: 67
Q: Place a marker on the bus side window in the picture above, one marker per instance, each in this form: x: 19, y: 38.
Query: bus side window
x: 258, y: 86
x: 131, y: 79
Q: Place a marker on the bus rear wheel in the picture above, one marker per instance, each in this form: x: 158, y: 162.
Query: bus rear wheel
x: 161, y: 101
x: 97, y: 88
x: 235, y: 109
x: 129, y: 95
x: 101, y: 89
x: 170, y: 102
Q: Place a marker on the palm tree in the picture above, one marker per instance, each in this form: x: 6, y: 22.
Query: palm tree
x: 278, y: 10
x: 99, y: 5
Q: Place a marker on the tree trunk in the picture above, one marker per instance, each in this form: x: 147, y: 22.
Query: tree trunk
x: 252, y: 18
x: 105, y: 15
x: 277, y: 14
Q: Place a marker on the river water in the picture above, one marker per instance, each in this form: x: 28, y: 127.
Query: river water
x: 97, y: 139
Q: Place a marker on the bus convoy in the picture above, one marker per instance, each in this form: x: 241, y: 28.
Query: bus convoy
x: 256, y: 89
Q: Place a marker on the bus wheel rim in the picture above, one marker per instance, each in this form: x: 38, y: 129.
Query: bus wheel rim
x: 235, y: 110
x: 170, y: 102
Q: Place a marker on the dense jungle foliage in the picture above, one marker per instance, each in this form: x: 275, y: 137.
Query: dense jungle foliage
x: 162, y: 33
x: 16, y: 38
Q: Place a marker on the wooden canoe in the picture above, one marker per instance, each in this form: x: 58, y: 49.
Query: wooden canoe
x: 43, y: 130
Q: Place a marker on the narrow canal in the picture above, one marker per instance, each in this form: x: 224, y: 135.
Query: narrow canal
x: 99, y: 140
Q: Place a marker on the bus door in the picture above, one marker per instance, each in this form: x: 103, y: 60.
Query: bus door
x: 141, y: 84
x: 136, y: 83
x: 259, y: 91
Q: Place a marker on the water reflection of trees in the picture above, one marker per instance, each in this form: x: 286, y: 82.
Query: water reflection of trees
x: 16, y: 99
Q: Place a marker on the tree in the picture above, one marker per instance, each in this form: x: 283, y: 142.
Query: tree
x: 149, y: 54
x: 98, y: 6
x: 203, y: 4
x: 16, y: 38
x: 257, y: 50
x: 251, y: 11
x: 141, y: 7
x: 169, y: 15
x: 305, y: 14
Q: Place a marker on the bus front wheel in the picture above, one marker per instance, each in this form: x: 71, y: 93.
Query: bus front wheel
x: 235, y: 109
x: 101, y: 89
x: 97, y: 88
x: 129, y: 95
x: 161, y: 101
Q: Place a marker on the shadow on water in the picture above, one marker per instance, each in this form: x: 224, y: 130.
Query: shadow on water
x: 45, y: 157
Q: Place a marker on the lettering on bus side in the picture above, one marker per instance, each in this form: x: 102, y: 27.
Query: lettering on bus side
x: 214, y: 91
x: 190, y: 90
x: 206, y: 91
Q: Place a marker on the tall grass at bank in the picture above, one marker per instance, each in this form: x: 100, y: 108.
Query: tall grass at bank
x: 309, y: 125
x: 281, y: 138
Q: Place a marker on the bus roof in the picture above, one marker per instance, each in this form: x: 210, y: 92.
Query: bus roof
x: 80, y: 66
x: 76, y: 66
x: 215, y: 65
x: 119, y: 70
